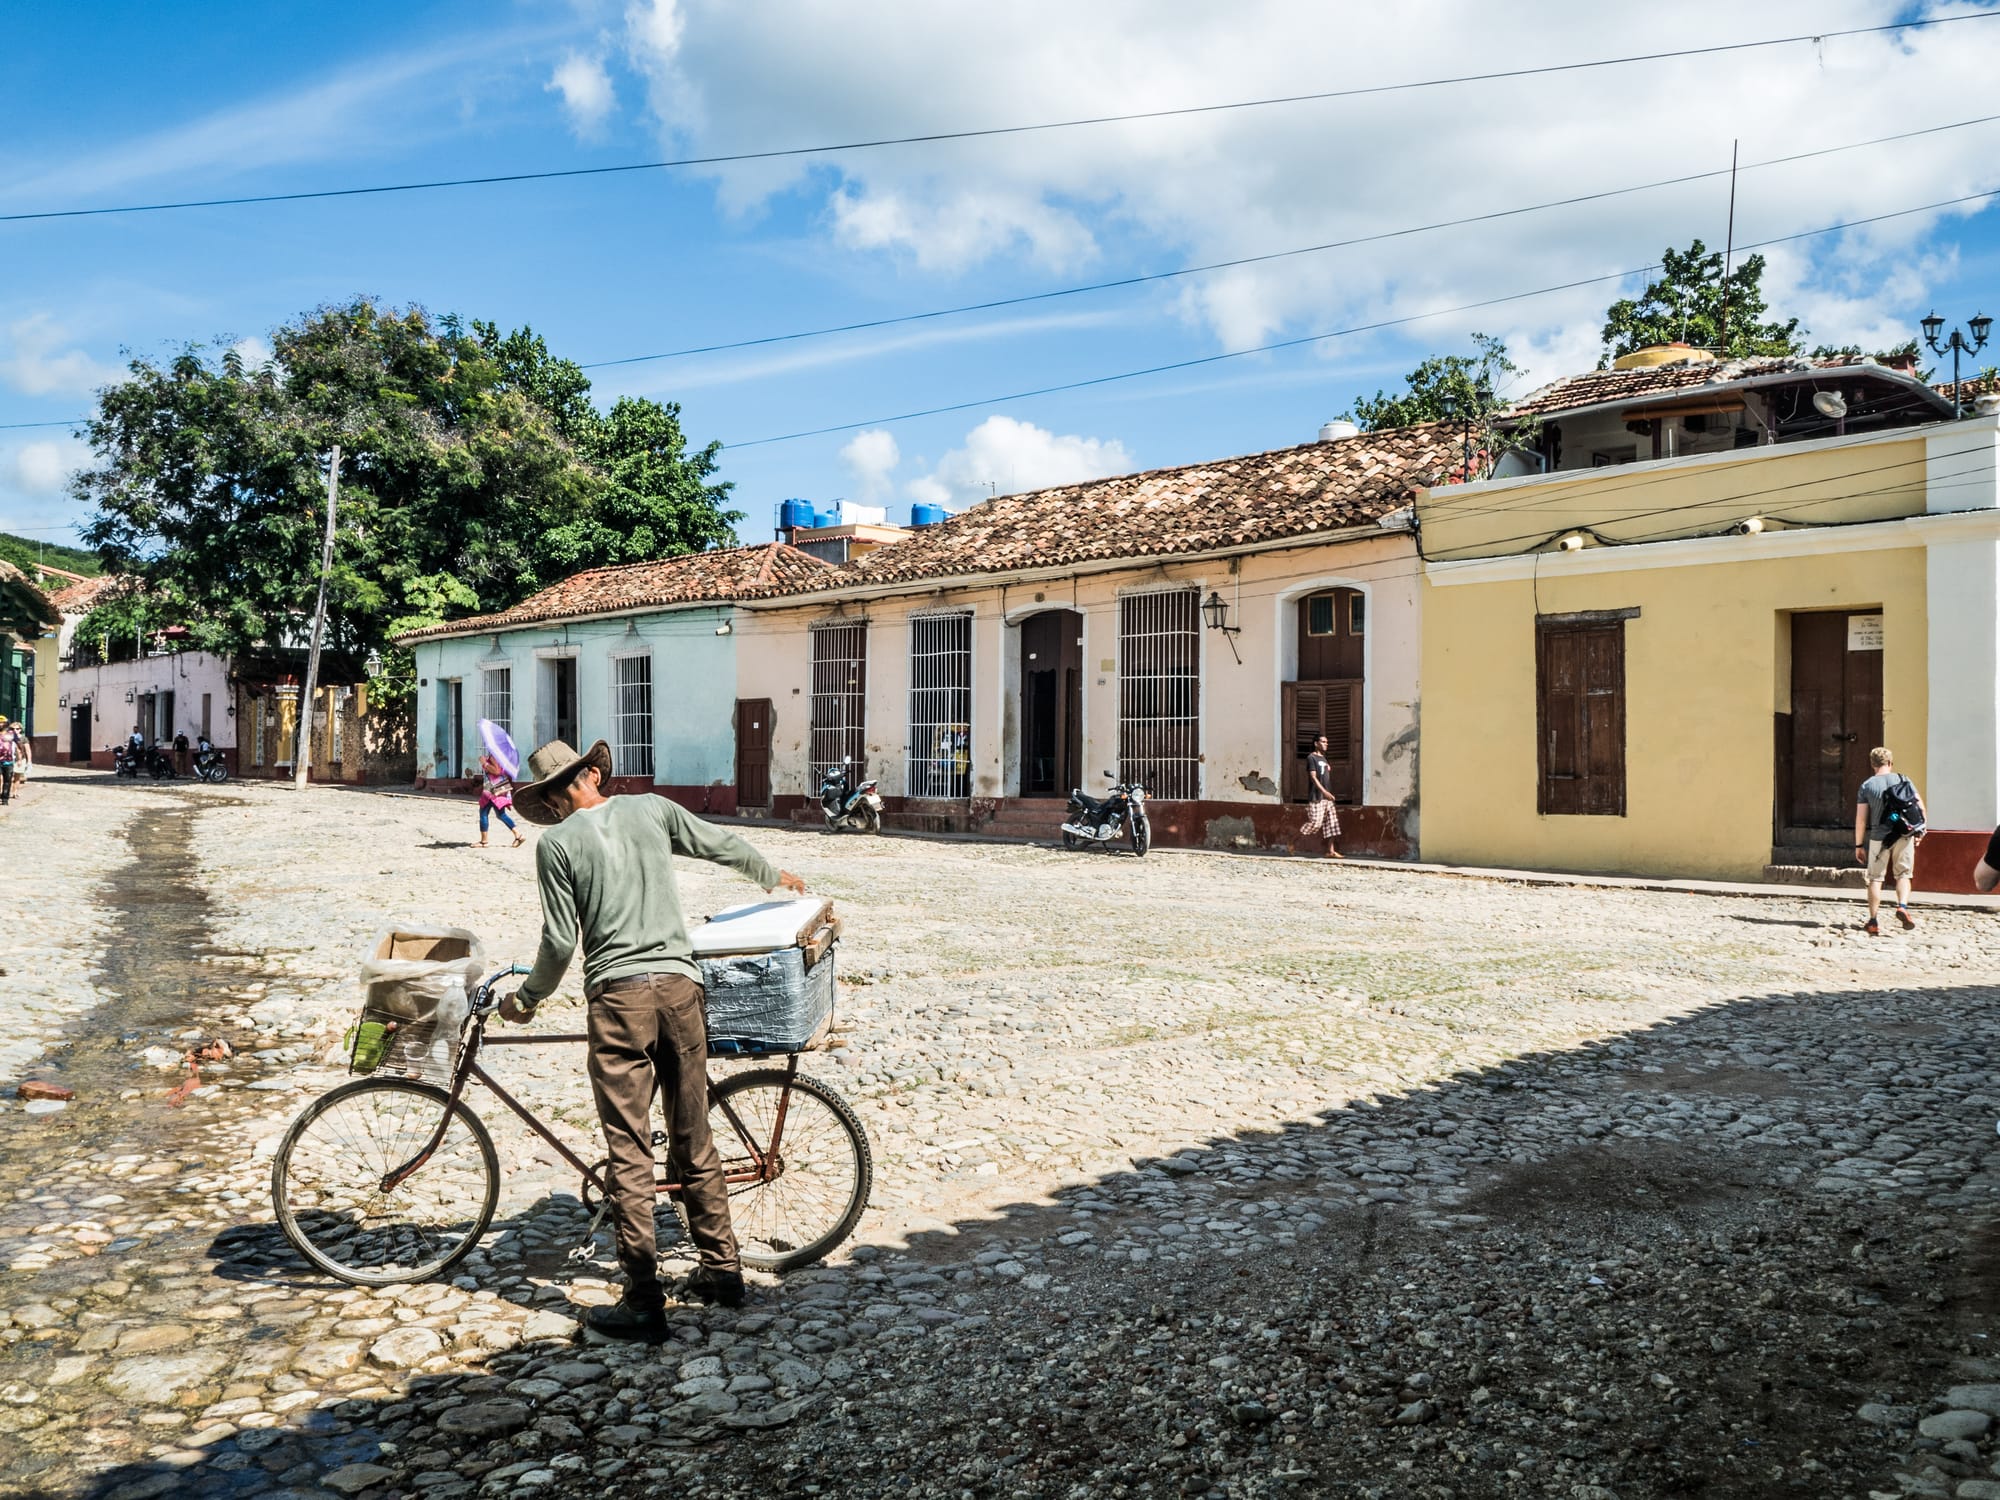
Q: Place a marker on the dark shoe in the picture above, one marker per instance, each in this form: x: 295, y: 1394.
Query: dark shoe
x: 1909, y: 922
x: 1872, y: 927
x: 710, y: 1285
x: 622, y: 1320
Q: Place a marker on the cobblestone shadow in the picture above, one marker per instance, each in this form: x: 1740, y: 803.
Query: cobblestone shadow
x: 1734, y: 1255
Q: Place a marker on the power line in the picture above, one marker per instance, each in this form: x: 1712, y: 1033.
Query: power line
x: 933, y: 137
x: 1252, y: 260
x: 1315, y: 338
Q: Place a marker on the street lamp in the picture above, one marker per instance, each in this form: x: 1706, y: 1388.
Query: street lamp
x: 1980, y: 327
x: 1482, y: 396
x: 1215, y: 612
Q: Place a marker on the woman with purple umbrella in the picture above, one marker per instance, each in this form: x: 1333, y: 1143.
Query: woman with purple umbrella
x: 497, y: 768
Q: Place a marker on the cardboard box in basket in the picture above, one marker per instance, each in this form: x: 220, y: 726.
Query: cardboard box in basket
x: 768, y: 970
x: 414, y: 969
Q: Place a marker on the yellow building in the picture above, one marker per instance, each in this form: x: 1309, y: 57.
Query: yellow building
x: 1678, y: 666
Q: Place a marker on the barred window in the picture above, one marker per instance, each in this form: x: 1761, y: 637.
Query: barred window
x: 839, y: 697
x: 1159, y: 692
x: 496, y: 697
x: 938, y: 762
x: 632, y: 715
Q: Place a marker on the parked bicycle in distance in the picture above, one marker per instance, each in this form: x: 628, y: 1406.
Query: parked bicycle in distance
x: 390, y: 1179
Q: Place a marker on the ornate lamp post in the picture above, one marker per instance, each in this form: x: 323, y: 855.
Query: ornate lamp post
x: 1980, y: 327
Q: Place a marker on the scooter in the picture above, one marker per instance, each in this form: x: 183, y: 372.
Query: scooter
x: 1090, y: 820
x: 209, y: 765
x: 159, y: 762
x: 125, y: 761
x: 847, y: 805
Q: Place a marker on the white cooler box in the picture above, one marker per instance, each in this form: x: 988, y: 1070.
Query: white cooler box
x: 768, y: 970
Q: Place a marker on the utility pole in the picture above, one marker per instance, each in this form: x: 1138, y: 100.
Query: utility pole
x: 302, y: 757
x: 1728, y: 252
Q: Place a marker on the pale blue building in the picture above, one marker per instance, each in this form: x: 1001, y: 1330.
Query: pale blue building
x: 642, y: 656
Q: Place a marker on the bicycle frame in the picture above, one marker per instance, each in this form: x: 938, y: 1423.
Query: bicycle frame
x: 767, y: 1164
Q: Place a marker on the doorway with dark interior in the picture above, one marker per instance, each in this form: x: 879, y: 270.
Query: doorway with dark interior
x: 79, y: 734
x: 1051, y: 703
x: 1822, y: 742
x: 1325, y: 695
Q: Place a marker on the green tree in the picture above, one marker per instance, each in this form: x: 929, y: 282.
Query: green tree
x: 1444, y: 388
x: 474, y: 471
x: 1686, y: 305
x: 27, y: 554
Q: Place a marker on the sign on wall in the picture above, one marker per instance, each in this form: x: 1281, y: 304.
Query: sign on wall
x: 1864, y: 632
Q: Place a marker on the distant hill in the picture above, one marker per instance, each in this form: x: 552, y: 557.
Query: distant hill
x: 24, y: 552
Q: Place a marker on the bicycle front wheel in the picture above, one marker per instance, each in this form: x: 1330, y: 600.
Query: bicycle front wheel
x: 818, y: 1170
x: 326, y: 1184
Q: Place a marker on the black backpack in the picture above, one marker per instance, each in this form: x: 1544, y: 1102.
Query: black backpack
x: 1902, y: 814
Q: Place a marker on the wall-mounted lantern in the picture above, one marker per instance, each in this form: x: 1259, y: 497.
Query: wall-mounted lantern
x: 1215, y: 610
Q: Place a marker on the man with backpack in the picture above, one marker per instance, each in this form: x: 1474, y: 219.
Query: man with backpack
x: 1888, y: 821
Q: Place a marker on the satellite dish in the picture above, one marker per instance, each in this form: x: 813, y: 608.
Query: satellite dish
x: 501, y: 747
x: 1830, y: 404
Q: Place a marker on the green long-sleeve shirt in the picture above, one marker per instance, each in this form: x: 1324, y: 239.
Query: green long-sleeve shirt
x: 607, y: 872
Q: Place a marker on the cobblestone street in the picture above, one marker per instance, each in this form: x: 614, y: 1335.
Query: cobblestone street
x: 1197, y: 1175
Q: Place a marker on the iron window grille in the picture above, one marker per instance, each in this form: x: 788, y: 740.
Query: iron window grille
x: 1159, y: 692
x: 839, y: 697
x: 632, y: 715
x: 496, y: 697
x: 938, y: 761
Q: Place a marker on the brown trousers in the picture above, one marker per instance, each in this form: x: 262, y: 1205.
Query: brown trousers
x: 647, y: 1034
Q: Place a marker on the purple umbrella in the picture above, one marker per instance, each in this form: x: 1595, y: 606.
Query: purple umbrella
x: 500, y: 747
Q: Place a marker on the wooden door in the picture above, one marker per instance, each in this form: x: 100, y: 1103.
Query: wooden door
x: 79, y: 733
x: 1051, y: 703
x: 1333, y: 709
x: 1580, y: 688
x: 753, y: 752
x: 1836, y: 714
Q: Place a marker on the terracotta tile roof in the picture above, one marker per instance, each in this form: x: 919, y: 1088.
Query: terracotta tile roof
x: 1973, y: 387
x: 694, y: 578
x: 1194, y: 508
x: 81, y: 598
x: 1608, y: 387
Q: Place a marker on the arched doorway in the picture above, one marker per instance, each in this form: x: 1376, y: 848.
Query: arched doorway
x: 1051, y: 703
x: 1325, y: 697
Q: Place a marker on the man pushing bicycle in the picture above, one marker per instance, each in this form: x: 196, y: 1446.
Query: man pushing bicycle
x: 606, y: 873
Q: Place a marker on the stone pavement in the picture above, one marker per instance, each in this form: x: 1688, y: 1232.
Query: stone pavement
x: 1195, y: 1175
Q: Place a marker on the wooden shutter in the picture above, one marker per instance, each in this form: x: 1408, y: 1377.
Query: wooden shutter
x: 1580, y: 693
x: 1333, y: 709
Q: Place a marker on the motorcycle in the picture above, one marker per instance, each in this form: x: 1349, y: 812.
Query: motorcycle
x: 125, y: 761
x: 159, y: 762
x: 847, y: 805
x: 1091, y: 820
x: 209, y: 765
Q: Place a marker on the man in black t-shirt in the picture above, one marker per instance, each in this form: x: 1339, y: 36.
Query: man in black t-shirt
x: 1322, y: 821
x: 1986, y: 874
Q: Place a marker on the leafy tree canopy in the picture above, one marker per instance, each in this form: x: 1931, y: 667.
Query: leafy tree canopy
x: 474, y: 471
x: 1444, y: 388
x: 1686, y: 306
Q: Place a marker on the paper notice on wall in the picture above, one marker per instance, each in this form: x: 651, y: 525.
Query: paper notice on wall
x: 1864, y: 632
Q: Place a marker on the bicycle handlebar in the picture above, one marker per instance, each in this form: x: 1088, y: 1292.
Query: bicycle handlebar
x: 483, y: 1001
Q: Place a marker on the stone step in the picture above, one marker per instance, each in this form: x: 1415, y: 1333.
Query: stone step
x: 1834, y: 875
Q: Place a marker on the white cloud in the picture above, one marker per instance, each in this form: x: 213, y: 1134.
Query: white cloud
x: 872, y: 457
x: 37, y: 362
x: 1005, y: 456
x: 1228, y: 184
x: 42, y: 467
x: 587, y: 95
x: 255, y: 352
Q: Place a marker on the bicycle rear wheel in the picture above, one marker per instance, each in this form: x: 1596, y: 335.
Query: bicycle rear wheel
x: 326, y: 1184
x: 822, y: 1169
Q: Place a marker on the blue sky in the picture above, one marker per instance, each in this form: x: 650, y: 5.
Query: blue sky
x: 112, y: 103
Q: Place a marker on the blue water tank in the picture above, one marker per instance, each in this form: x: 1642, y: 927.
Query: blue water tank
x: 793, y: 514
x: 927, y: 515
x: 826, y: 518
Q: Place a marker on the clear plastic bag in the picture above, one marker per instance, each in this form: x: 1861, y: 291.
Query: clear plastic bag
x: 416, y: 993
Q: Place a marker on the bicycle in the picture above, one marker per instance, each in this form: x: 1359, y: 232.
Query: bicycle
x: 391, y: 1179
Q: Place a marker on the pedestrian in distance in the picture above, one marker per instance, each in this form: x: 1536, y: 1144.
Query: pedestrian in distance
x: 13, y: 750
x: 496, y: 795
x: 180, y: 752
x: 606, y: 873
x: 1322, y: 818
x: 1888, y: 822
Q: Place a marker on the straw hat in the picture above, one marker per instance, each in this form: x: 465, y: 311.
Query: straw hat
x: 552, y: 768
